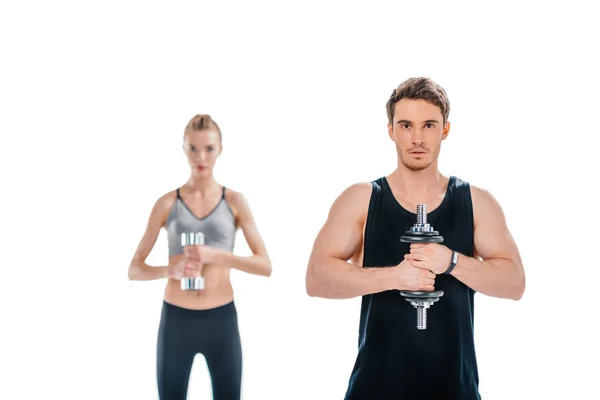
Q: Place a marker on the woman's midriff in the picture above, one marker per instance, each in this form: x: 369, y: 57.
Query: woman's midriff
x: 217, y: 288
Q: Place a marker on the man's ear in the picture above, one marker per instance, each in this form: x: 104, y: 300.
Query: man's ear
x: 446, y: 130
x: 391, y: 133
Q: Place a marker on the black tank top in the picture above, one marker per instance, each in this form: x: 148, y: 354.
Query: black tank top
x: 396, y: 360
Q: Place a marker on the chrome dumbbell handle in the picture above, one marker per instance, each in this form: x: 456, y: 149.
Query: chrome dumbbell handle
x: 192, y: 282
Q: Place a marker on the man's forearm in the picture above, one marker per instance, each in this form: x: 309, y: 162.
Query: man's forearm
x: 499, y: 277
x: 333, y: 278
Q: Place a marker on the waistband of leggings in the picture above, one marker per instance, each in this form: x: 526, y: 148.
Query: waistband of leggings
x: 228, y: 308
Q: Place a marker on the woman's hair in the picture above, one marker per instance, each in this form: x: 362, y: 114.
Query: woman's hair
x: 202, y: 122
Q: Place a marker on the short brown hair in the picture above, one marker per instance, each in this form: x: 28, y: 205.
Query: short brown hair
x: 202, y: 122
x: 419, y: 89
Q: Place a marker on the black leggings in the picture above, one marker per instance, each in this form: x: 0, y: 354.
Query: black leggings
x: 182, y: 334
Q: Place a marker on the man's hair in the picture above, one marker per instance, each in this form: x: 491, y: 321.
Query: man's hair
x: 419, y: 89
x: 202, y: 122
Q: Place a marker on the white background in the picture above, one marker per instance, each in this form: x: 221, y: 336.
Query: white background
x: 94, y: 98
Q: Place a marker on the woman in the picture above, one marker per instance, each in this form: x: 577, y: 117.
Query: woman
x: 203, y: 321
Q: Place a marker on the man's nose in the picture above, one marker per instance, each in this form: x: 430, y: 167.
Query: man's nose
x: 417, y: 136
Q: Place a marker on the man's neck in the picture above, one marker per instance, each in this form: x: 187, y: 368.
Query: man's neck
x: 420, y: 183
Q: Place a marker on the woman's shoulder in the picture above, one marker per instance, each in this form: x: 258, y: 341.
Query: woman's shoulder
x: 168, y: 197
x: 165, y: 201
x: 233, y: 197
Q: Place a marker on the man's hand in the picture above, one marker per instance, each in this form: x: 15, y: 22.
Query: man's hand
x: 432, y: 256
x: 412, y: 278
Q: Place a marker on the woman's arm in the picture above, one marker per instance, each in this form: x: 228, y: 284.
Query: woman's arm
x: 259, y: 262
x: 138, y: 269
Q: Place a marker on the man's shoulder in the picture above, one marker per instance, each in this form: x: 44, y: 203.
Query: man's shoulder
x: 363, y: 189
x: 466, y: 187
x: 357, y: 190
x: 474, y: 189
x: 482, y: 199
x: 355, y: 196
x: 460, y: 182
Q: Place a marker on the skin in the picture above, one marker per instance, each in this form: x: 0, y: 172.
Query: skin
x: 335, y: 265
x: 201, y: 194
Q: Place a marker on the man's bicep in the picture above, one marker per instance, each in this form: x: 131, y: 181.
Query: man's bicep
x: 491, y: 236
x: 339, y: 238
x: 341, y: 235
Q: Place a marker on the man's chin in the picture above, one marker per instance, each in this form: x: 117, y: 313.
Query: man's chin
x: 416, y: 166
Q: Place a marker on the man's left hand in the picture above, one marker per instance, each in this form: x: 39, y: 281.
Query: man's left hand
x: 432, y: 256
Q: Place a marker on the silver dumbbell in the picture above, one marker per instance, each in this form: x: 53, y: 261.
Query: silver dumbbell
x: 192, y: 282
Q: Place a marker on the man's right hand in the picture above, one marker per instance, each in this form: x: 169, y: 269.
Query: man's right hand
x: 413, y: 278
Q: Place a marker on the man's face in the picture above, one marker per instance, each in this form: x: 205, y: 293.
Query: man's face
x: 418, y: 131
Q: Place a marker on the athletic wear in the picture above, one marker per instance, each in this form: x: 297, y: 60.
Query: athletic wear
x: 396, y: 360
x: 218, y: 226
x: 182, y: 334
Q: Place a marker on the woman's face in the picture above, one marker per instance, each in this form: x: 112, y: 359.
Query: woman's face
x: 202, y: 148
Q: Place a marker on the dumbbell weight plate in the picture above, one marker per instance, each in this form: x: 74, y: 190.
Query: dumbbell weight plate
x: 421, y: 239
x: 422, y: 294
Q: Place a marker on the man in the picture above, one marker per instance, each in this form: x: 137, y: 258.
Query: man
x: 358, y: 252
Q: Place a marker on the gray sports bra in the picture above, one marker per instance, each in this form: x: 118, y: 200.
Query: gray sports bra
x: 218, y: 226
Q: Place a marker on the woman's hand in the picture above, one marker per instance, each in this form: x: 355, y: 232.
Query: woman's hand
x: 187, y: 267
x: 202, y: 254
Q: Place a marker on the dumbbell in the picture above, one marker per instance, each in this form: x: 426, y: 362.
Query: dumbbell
x: 421, y: 232
x: 191, y: 283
